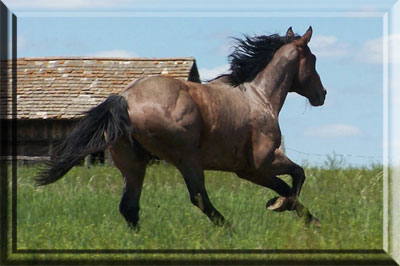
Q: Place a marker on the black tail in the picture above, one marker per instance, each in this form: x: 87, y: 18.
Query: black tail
x: 100, y: 126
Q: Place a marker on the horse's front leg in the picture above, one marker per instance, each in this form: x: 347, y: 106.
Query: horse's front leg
x: 281, y: 164
x: 268, y: 159
x: 266, y: 176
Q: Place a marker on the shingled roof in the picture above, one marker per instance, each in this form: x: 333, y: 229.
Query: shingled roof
x: 65, y: 87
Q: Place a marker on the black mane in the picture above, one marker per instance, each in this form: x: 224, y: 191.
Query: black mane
x: 251, y: 55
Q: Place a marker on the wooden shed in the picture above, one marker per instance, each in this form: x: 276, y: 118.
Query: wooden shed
x: 53, y: 92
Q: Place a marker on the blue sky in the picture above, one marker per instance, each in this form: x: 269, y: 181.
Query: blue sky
x: 348, y: 47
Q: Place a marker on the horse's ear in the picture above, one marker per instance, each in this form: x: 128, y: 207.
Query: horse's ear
x: 305, y: 39
x: 289, y: 33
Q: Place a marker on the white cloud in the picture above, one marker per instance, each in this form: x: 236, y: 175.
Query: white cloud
x: 210, y: 73
x: 328, y: 46
x: 115, y: 53
x: 21, y: 41
x: 332, y: 131
x: 372, y: 50
x: 224, y: 49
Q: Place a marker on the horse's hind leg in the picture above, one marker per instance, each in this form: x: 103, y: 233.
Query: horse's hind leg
x: 284, y: 190
x: 133, y: 167
x: 193, y: 173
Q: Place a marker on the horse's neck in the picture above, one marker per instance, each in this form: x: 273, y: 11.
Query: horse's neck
x: 274, y: 81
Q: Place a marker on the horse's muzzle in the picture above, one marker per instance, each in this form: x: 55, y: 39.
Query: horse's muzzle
x: 318, y: 99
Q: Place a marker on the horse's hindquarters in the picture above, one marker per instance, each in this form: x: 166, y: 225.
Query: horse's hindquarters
x: 165, y: 118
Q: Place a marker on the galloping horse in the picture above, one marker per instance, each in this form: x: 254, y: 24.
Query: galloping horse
x: 228, y: 124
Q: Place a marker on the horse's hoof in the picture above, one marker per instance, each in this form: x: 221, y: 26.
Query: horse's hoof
x: 227, y: 224
x: 134, y: 227
x: 229, y: 227
x: 277, y: 204
x: 310, y: 220
x: 316, y: 222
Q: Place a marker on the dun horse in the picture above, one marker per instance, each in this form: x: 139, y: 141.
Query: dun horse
x: 229, y: 124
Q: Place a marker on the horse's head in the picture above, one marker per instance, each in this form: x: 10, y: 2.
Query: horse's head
x: 307, y: 81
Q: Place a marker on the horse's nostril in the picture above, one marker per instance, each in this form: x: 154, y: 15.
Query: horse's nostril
x: 325, y: 92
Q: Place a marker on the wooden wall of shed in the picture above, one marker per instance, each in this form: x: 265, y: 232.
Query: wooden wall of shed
x: 39, y: 137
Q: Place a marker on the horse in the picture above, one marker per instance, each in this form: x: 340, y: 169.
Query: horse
x: 229, y: 124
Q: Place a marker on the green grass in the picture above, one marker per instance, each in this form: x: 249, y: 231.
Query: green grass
x: 81, y: 212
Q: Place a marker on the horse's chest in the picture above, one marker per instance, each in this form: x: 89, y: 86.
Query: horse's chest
x: 266, y: 123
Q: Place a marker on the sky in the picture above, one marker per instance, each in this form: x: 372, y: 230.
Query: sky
x: 347, y: 41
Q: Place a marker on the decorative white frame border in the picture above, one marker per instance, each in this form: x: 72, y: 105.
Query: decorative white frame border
x: 391, y: 129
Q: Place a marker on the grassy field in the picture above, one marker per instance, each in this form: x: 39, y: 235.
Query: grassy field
x: 81, y: 212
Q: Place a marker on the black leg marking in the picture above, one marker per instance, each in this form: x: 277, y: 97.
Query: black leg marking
x: 130, y: 211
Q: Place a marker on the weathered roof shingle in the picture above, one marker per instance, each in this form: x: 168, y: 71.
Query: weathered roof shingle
x: 63, y: 88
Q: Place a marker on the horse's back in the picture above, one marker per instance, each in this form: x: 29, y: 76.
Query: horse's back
x: 165, y: 118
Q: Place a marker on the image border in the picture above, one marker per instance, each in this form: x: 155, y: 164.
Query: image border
x: 13, y: 249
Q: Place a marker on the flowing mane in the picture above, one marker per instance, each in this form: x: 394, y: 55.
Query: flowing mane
x: 251, y: 55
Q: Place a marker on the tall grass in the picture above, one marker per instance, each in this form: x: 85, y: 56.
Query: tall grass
x: 81, y: 212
